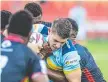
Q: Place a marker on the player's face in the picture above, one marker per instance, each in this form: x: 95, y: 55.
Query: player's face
x: 55, y: 41
x: 36, y: 19
x: 73, y: 35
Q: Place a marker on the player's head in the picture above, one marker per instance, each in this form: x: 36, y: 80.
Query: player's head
x: 35, y: 9
x: 74, y: 30
x: 20, y: 23
x: 5, y: 15
x: 59, y: 33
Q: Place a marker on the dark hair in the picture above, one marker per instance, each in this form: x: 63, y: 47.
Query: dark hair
x: 74, y: 24
x: 74, y: 27
x: 34, y: 8
x: 5, y: 15
x: 20, y: 23
x: 62, y: 27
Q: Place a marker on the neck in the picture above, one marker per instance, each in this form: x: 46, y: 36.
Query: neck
x: 24, y: 39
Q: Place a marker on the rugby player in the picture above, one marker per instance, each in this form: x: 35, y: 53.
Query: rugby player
x: 5, y: 15
x: 38, y: 26
x: 36, y: 10
x: 90, y: 70
x: 63, y: 56
x: 16, y: 59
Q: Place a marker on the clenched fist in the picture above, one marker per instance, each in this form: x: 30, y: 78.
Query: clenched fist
x: 45, y: 51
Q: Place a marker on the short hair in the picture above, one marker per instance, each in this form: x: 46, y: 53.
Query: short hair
x: 34, y: 8
x: 74, y: 24
x: 20, y: 23
x: 62, y: 27
x: 5, y: 15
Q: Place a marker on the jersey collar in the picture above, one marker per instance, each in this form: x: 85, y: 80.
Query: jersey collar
x: 74, y: 42
x: 15, y: 38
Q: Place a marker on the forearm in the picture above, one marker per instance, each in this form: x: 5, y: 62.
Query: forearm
x: 40, y: 78
x: 75, y: 80
x: 56, y: 76
x: 75, y: 76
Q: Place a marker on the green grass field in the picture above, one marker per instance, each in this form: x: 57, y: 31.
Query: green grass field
x: 99, y: 50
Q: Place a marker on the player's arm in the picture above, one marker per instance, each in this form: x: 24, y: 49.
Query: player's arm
x: 74, y: 76
x: 39, y: 72
x: 71, y: 67
x: 55, y: 75
x: 40, y: 78
x: 37, y: 69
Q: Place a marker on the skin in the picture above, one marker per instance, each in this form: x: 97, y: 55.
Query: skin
x: 36, y: 77
x: 5, y: 33
x: 36, y: 19
x: 40, y: 78
x: 55, y: 41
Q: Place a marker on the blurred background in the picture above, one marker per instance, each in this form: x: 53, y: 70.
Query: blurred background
x: 91, y: 16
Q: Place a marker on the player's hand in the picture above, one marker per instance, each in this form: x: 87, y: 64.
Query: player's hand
x: 45, y: 51
x: 34, y: 47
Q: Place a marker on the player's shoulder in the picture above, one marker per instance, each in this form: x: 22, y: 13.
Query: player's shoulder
x: 39, y: 27
x: 9, y: 44
x: 79, y: 47
x: 17, y: 47
x: 28, y: 51
x: 12, y: 46
x: 84, y: 53
x: 88, y: 53
x: 82, y: 48
x: 69, y: 51
x: 85, y: 48
x: 68, y: 47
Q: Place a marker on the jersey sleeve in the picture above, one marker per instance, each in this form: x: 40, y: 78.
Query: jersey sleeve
x: 71, y: 62
x: 41, y: 28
